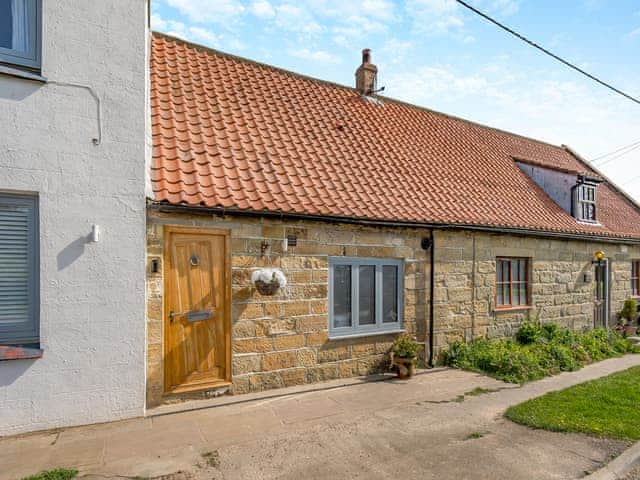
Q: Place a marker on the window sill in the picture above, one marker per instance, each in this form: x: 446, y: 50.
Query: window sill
x: 367, y: 334
x: 513, y: 309
x: 24, y: 74
x: 9, y: 352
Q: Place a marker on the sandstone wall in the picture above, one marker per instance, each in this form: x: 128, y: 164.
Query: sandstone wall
x: 283, y: 340
x: 464, y: 299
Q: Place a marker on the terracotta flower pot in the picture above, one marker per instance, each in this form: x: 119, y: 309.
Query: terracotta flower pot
x: 630, y: 330
x: 406, y: 367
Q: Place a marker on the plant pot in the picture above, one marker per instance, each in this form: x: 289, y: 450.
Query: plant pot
x: 406, y: 367
x: 267, y: 288
x: 630, y: 330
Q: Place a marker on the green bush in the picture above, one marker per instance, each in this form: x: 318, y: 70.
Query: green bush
x: 405, y: 347
x: 539, y: 351
x: 629, y: 310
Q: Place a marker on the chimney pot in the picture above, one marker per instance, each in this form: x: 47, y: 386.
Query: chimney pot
x: 366, y: 74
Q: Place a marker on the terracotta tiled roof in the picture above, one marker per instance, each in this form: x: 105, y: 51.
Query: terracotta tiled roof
x: 235, y: 134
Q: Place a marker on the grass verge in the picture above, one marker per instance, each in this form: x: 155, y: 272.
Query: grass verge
x: 605, y: 407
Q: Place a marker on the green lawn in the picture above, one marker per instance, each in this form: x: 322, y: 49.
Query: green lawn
x: 608, y: 407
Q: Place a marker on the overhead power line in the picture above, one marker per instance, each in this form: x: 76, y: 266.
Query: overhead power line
x: 547, y: 52
x: 632, y: 180
x: 616, y: 151
x: 609, y: 160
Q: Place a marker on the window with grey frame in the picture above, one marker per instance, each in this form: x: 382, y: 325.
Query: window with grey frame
x: 365, y: 296
x: 20, y: 33
x: 19, y: 266
x: 585, y: 203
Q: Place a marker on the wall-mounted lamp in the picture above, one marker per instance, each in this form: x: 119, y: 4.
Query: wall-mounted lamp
x: 96, y: 234
x: 425, y: 243
x: 599, y: 255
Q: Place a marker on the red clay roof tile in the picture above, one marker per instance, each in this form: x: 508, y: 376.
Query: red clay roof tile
x: 232, y: 133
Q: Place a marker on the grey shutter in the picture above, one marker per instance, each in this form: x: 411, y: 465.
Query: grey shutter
x: 19, y: 298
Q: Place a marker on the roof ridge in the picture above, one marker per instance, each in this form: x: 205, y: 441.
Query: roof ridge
x: 347, y: 87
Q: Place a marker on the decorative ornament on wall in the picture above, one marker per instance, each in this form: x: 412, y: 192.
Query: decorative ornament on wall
x: 268, y: 280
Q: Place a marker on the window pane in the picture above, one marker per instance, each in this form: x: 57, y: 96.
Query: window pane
x: 499, y: 296
x: 341, y: 296
x: 523, y: 294
x: 14, y: 264
x: 515, y: 274
x: 506, y: 265
x: 506, y: 294
x: 390, y: 312
x: 17, y: 24
x: 367, y: 294
x: 500, y: 277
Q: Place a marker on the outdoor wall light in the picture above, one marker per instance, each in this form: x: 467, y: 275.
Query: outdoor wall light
x: 599, y: 255
x: 96, y: 234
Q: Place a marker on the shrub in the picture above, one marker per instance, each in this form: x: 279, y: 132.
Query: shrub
x: 629, y: 310
x: 405, y: 347
x: 528, y: 333
x: 538, y: 352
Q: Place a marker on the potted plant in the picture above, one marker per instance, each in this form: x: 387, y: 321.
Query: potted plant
x: 628, y: 315
x: 404, y: 352
x: 268, y: 280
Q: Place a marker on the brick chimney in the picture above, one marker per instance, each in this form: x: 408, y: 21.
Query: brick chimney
x: 366, y: 74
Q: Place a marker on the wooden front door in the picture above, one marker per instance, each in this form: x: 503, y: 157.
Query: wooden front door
x: 197, y: 339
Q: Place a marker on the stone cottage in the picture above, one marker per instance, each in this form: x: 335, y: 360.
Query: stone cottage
x: 383, y: 217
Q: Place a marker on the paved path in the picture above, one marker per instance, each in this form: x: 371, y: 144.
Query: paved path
x: 392, y: 429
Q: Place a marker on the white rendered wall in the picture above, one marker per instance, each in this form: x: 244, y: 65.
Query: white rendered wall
x: 92, y: 303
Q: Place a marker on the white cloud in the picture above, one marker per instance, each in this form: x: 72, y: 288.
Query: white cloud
x: 634, y: 33
x: 296, y: 19
x: 263, y: 9
x: 202, y: 11
x: 435, y: 16
x: 194, y: 33
x: 319, y: 56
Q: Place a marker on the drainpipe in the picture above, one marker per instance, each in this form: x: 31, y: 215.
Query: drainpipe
x: 432, y: 275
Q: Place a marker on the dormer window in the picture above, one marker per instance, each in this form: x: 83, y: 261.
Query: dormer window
x: 587, y: 203
x: 584, y: 199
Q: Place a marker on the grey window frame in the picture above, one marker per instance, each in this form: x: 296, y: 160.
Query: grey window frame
x: 32, y: 58
x: 580, y: 201
x: 380, y: 327
x: 14, y: 334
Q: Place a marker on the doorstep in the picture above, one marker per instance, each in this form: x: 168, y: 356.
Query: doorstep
x: 224, y: 400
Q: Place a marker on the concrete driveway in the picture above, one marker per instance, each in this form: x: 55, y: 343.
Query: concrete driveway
x: 425, y: 428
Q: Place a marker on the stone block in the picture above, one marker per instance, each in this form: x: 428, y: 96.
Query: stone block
x: 294, y: 376
x: 247, y: 311
x: 278, y: 360
x: 333, y: 354
x: 296, y: 308
x: 246, y: 363
x: 288, y: 342
x: 243, y: 329
x: 311, y: 324
x: 265, y: 381
x: 252, y: 345
x: 319, y: 307
x: 306, y: 357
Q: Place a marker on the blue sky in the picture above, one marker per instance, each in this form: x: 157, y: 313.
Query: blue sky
x: 436, y: 54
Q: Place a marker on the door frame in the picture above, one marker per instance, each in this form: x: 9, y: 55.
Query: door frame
x: 606, y: 278
x: 168, y: 230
